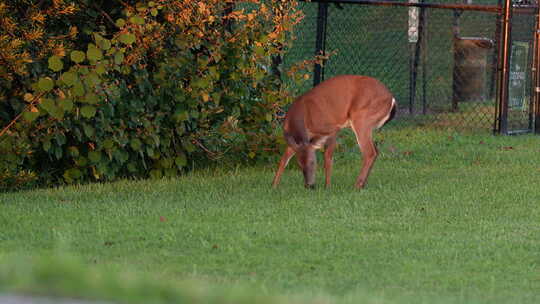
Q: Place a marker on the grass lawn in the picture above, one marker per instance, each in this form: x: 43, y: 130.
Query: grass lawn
x: 445, y: 218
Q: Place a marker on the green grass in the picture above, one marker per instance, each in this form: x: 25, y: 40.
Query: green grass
x: 445, y: 218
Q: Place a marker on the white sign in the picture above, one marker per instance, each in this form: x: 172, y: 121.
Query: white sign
x: 413, y: 23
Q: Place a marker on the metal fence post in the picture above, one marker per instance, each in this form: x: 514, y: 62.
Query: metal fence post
x: 456, y: 31
x: 424, y: 46
x: 503, y: 70
x: 320, y: 44
x: 536, y: 74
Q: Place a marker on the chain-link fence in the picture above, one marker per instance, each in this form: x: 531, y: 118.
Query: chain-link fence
x: 442, y: 61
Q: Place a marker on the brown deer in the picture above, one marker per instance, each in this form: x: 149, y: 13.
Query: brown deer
x: 314, y: 119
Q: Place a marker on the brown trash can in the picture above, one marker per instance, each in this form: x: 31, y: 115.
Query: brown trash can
x: 470, y: 76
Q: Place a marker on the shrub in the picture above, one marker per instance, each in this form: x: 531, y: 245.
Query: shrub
x: 169, y: 83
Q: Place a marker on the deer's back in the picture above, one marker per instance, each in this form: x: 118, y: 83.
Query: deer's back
x: 330, y: 105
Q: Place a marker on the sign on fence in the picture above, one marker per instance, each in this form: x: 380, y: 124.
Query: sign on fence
x: 413, y: 23
x: 517, y: 87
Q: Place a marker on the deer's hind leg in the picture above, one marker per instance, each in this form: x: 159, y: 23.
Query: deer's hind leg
x: 364, y: 136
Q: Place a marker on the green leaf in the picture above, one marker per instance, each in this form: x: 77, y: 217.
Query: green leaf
x: 127, y: 38
x: 89, y: 131
x: 120, y: 22
x: 125, y: 69
x: 88, y: 111
x: 81, y: 161
x: 180, y: 161
x: 73, y: 151
x: 56, y: 112
x: 92, y: 79
x: 60, y: 138
x: 69, y: 78
x: 181, y: 43
x: 181, y: 115
x: 136, y: 144
x: 263, y: 39
x: 180, y: 129
x: 101, y: 69
x: 216, y: 97
x: 202, y: 83
x: 150, y: 152
x: 188, y: 146
x: 94, y: 156
x: 78, y: 89
x: 166, y: 163
x: 121, y: 155
x: 6, y: 142
x: 47, y: 104
x: 259, y: 50
x: 58, y: 152
x: 84, y: 70
x: 72, y: 174
x: 66, y: 104
x: 108, y: 143
x: 45, y: 84
x: 47, y: 145
x: 55, y: 63
x: 259, y: 75
x: 213, y: 72
x: 98, y: 37
x: 30, y: 116
x: 154, y: 12
x: 137, y: 20
x: 51, y: 108
x: 104, y: 44
x: 93, y: 53
x: 171, y: 172
x: 77, y: 56
x: 132, y: 167
x: 91, y: 98
x: 156, y: 173
x: 118, y: 58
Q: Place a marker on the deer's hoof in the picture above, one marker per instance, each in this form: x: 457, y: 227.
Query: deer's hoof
x: 311, y: 187
x: 359, y: 186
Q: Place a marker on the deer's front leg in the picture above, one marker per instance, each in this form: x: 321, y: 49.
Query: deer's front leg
x: 289, y: 152
x: 328, y: 152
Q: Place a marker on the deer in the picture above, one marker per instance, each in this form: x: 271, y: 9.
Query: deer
x: 314, y: 119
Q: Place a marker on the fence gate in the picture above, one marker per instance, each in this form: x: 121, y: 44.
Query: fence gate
x: 472, y: 65
x: 517, y: 102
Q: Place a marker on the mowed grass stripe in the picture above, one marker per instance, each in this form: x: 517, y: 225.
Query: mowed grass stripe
x: 445, y: 218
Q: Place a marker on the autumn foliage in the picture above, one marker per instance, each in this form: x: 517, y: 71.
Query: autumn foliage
x: 98, y: 90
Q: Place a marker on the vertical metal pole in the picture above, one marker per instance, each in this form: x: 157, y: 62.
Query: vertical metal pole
x: 456, y: 31
x: 415, y: 35
x: 495, y: 58
x: 532, y: 78
x: 496, y: 62
x: 412, y: 77
x: 424, y: 62
x: 503, y: 70
x: 536, y: 74
x: 416, y: 59
x: 320, y: 44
